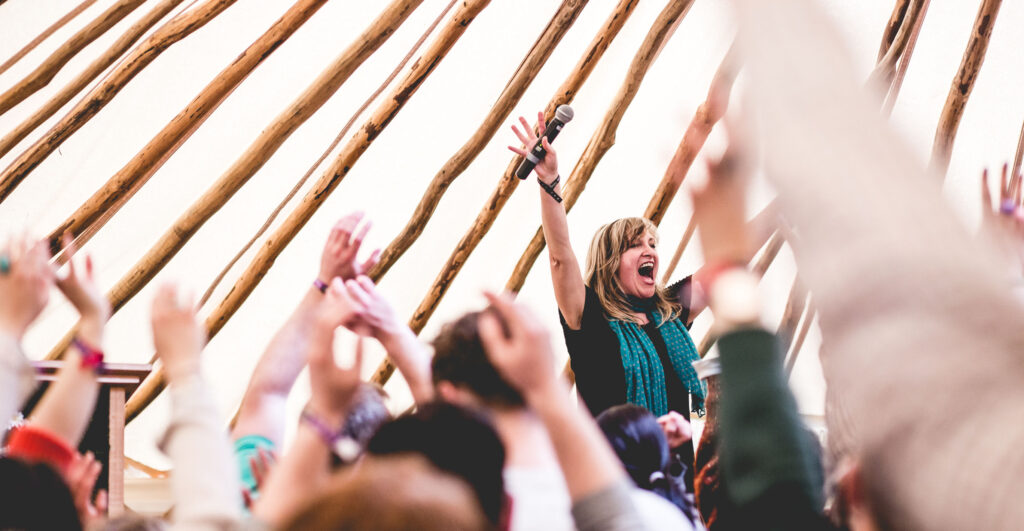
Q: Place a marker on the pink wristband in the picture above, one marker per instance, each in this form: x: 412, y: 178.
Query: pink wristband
x: 320, y: 285
x: 91, y: 358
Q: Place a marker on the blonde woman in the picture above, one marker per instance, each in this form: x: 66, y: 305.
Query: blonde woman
x: 626, y: 333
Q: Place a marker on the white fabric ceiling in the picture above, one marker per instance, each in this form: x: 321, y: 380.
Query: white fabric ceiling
x: 390, y: 177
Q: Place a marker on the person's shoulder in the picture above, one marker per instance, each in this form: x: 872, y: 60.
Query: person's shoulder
x: 657, y: 512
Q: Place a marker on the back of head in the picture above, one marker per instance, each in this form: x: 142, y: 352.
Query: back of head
x: 34, y: 496
x: 391, y: 494
x: 456, y: 440
x: 637, y: 438
x: 460, y: 359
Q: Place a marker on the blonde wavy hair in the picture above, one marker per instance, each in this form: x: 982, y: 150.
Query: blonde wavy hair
x: 602, y: 270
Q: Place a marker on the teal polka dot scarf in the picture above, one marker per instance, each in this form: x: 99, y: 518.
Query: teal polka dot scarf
x: 645, y: 377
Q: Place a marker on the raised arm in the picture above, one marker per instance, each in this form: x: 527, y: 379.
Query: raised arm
x: 25, y: 282
x: 410, y: 356
x: 597, y: 483
x: 66, y: 408
x: 304, y: 469
x: 263, y: 406
x: 566, y: 276
x: 205, y: 481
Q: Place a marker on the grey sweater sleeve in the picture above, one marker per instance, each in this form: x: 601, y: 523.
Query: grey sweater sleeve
x: 610, y: 509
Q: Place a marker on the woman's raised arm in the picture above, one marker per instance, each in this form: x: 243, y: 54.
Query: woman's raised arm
x: 566, y: 276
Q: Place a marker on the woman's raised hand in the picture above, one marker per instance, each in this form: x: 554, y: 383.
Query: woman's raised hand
x: 177, y: 335
x: 547, y: 169
x: 25, y: 281
x: 80, y: 288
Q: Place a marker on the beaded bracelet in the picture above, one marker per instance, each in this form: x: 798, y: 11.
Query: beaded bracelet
x: 320, y: 285
x: 341, y: 445
x: 91, y: 358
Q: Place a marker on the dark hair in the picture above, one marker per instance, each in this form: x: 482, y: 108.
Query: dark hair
x: 638, y: 440
x: 456, y: 440
x: 459, y: 358
x: 34, y: 496
x: 365, y: 416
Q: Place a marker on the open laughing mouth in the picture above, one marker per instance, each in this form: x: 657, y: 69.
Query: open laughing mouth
x: 646, y: 269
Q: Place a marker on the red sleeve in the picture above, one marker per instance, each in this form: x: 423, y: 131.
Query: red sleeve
x: 37, y: 445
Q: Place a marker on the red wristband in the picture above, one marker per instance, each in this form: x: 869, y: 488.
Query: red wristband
x: 91, y: 358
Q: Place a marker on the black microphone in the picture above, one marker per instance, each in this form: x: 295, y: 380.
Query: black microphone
x: 563, y: 115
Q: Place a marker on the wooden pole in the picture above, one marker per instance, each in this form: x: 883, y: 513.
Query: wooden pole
x: 87, y: 76
x: 901, y: 70
x: 602, y: 139
x: 795, y: 305
x: 173, y: 31
x: 759, y: 267
x: 255, y: 156
x: 75, y: 11
x: 1019, y: 156
x: 963, y: 83
x: 563, y: 19
x: 45, y: 72
x: 323, y: 156
x: 899, y: 10
x: 708, y: 114
x: 885, y: 69
x: 691, y: 227
x: 801, y: 335
x: 108, y: 200
x: 382, y: 116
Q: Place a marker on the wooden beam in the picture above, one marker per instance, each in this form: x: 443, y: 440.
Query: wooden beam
x: 323, y: 156
x: 708, y: 114
x: 795, y: 304
x: 92, y: 215
x: 1019, y: 156
x: 885, y: 69
x: 41, y: 76
x: 899, y: 10
x: 75, y: 11
x: 173, y: 31
x: 91, y: 72
x: 528, y: 69
x: 691, y: 227
x: 963, y: 83
x: 904, y: 64
x: 328, y: 182
x: 801, y: 335
x: 602, y: 139
x: 255, y: 156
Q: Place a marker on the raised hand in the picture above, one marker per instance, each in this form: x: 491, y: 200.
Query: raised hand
x: 78, y: 284
x: 1005, y: 221
x: 720, y: 206
x: 333, y: 387
x: 376, y: 313
x: 81, y: 477
x: 521, y: 348
x: 547, y: 169
x: 339, y: 255
x: 177, y: 334
x: 25, y: 281
x: 677, y: 429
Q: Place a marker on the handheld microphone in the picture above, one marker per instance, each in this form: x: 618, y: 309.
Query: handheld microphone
x: 563, y: 115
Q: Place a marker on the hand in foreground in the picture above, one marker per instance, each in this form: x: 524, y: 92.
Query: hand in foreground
x: 333, y: 387
x: 177, y: 334
x: 375, y: 312
x: 261, y: 466
x: 677, y: 429
x: 25, y: 281
x: 81, y: 477
x: 719, y: 207
x: 547, y: 169
x: 339, y: 255
x: 1005, y: 221
x: 523, y: 355
x: 79, y: 286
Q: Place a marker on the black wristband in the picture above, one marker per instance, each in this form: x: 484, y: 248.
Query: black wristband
x: 550, y: 188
